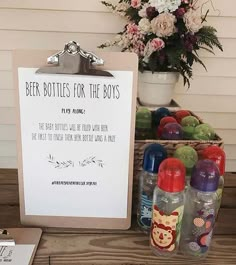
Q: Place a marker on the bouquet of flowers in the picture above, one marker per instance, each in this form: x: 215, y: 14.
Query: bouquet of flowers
x: 165, y: 34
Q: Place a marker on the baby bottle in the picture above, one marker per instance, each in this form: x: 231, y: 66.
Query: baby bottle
x: 168, y: 206
x: 200, y: 209
x: 154, y: 154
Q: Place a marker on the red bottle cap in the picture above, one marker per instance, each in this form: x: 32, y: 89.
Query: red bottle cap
x: 166, y: 120
x: 171, y: 175
x: 216, y: 154
x: 180, y: 114
x: 163, y: 122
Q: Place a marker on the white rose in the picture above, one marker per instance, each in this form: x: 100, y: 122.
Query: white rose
x: 192, y: 20
x: 164, y: 25
x: 173, y: 5
x: 165, y: 5
x: 160, y: 5
x: 144, y: 25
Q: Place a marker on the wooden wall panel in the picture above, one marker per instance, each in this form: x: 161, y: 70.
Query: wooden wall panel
x: 73, y: 5
x: 8, y: 116
x: 222, y: 8
x: 8, y: 148
x: 45, y: 20
x: 214, y: 67
x: 5, y: 60
x: 229, y: 136
x: 229, y: 51
x: 219, y: 120
x: 17, y: 39
x: 8, y: 162
x: 6, y: 80
x: 204, y: 103
x: 208, y: 85
x: 230, y: 151
x: 7, y: 98
x: 230, y: 165
x: 7, y: 132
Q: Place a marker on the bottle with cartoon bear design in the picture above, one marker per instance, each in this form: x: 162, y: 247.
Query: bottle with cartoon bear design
x: 200, y: 209
x: 154, y: 154
x: 168, y: 206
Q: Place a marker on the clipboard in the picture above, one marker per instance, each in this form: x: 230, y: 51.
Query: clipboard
x: 114, y: 61
x: 22, y: 236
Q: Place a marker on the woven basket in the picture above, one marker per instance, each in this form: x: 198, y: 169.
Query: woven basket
x: 170, y: 146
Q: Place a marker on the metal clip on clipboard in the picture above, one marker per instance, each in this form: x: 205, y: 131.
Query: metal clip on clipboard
x: 5, y: 239
x: 74, y: 60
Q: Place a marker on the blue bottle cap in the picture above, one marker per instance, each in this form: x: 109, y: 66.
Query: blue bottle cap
x: 154, y: 154
x: 205, y: 176
x: 158, y: 114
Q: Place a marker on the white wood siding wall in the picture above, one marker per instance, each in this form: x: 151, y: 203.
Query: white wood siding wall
x: 29, y: 24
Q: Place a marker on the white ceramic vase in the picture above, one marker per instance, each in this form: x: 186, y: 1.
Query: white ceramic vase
x: 156, y: 89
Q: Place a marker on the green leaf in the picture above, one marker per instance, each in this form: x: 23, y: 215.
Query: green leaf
x: 205, y: 48
x: 190, y: 58
x: 207, y: 36
x: 133, y: 14
x: 107, y: 4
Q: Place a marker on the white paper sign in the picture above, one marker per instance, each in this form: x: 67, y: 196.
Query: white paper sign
x: 17, y: 255
x: 75, y: 133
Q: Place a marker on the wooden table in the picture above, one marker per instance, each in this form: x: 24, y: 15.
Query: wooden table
x: 76, y: 246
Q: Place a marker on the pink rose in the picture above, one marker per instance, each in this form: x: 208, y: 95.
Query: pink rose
x: 135, y: 3
x: 157, y: 44
x: 152, y: 46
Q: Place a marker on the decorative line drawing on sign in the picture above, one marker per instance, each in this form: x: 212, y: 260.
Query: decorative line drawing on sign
x: 91, y: 160
x: 60, y: 164
x: 69, y: 163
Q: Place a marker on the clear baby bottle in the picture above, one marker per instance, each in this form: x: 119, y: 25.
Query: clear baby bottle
x: 200, y: 209
x: 168, y: 206
x: 216, y: 154
x: 154, y: 154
